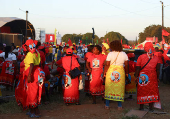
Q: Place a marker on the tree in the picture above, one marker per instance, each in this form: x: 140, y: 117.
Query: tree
x: 115, y: 36
x: 88, y: 37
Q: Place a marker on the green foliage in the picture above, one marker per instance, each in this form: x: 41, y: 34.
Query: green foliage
x: 115, y: 36
x: 88, y: 37
x: 72, y: 37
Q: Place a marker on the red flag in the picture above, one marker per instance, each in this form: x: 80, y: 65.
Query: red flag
x: 107, y: 41
x: 80, y: 41
x: 104, y: 41
x: 121, y: 41
x: 69, y: 42
x: 163, y: 40
x: 165, y: 33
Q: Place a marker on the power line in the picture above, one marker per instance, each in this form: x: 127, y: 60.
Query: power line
x: 148, y: 2
x: 131, y: 11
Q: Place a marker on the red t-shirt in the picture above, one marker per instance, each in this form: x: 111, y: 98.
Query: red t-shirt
x: 143, y: 59
x: 59, y: 69
x: 87, y: 55
x: 159, y: 55
x: 66, y: 62
x: 97, y: 61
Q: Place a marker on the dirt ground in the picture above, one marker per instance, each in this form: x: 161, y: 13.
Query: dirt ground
x: 56, y: 109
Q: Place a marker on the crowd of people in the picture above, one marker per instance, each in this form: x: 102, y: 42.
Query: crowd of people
x: 109, y: 73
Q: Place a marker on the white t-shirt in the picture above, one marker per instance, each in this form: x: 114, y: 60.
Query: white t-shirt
x: 11, y: 56
x: 54, y: 51
x: 122, y: 57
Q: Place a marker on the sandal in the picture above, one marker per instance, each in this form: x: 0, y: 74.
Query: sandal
x: 120, y: 108
x: 107, y: 107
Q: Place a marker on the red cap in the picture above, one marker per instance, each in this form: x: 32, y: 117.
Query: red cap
x: 148, y: 46
x: 69, y: 51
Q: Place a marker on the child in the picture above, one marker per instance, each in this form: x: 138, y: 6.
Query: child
x: 130, y: 88
x: 95, y: 64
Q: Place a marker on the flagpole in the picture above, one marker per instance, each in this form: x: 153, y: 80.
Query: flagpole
x: 55, y: 36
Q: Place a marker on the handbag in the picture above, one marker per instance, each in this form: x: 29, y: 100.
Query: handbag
x: 75, y: 72
x: 80, y: 85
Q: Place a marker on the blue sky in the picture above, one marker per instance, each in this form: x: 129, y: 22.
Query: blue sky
x: 128, y: 17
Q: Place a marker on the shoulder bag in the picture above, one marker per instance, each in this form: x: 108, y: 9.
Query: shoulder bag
x: 75, y: 72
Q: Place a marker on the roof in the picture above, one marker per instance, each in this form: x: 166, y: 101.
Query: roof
x: 4, y: 20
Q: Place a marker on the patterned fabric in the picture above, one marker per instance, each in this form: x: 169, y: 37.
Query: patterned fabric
x: 96, y: 78
x: 115, y: 83
x: 8, y: 73
x: 147, y: 88
x: 70, y: 89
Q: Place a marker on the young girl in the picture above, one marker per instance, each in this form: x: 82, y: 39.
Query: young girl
x: 95, y: 64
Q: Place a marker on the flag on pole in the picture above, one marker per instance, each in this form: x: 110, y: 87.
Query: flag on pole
x: 97, y: 41
x: 55, y: 36
x: 69, y: 42
x: 104, y: 41
x: 165, y: 33
x: 121, y: 41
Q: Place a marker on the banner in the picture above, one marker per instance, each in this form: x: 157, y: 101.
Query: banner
x: 49, y: 38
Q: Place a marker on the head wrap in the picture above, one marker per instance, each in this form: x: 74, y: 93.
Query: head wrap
x: 69, y: 51
x: 105, y: 45
x: 31, y: 45
x: 149, y: 49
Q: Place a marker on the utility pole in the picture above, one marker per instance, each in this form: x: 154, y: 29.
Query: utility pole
x: 162, y: 14
x: 26, y: 26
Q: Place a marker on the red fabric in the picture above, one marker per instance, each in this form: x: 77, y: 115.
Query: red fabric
x: 147, y: 91
x: 104, y: 41
x: 70, y: 86
x: 166, y: 58
x: 121, y: 41
x: 46, y: 51
x: 70, y: 89
x: 96, y: 81
x: 34, y: 89
x: 7, y: 75
x: 107, y: 41
x: 159, y: 55
x: 66, y: 61
x: 148, y: 46
x: 70, y: 43
x: 132, y: 66
x: 20, y: 90
x: 69, y: 51
x: 47, y: 73
x: 88, y: 54
x: 130, y: 55
x: 165, y: 33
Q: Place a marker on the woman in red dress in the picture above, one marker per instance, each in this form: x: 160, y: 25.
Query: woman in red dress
x: 70, y: 86
x: 147, y: 78
x: 95, y: 64
x: 33, y: 76
x: 87, y: 81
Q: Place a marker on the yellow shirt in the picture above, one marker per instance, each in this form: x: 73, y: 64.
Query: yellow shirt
x: 31, y: 58
x: 50, y: 50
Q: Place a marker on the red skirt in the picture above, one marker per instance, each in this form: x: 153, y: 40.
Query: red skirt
x: 7, y: 75
x: 147, y: 88
x: 96, y: 82
x: 70, y: 89
x: 31, y: 91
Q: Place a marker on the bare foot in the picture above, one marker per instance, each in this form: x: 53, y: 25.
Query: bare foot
x: 120, y: 108
x: 106, y: 107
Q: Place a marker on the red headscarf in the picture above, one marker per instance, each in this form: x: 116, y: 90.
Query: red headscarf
x: 149, y: 49
x: 31, y: 44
